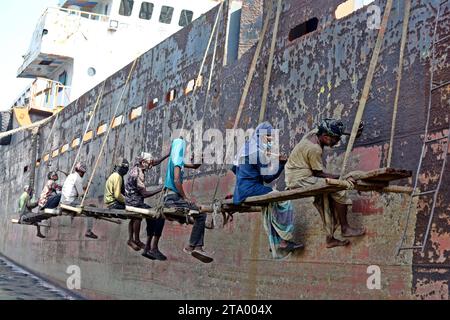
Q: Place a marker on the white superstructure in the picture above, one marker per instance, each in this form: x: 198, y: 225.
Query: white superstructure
x: 80, y: 43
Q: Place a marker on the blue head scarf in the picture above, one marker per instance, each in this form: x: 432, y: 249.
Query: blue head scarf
x: 255, y: 145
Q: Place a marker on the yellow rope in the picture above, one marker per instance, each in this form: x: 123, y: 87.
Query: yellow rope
x: 270, y: 64
x: 105, y: 139
x: 97, y: 103
x: 213, y: 31
x: 367, y: 85
x: 399, y: 77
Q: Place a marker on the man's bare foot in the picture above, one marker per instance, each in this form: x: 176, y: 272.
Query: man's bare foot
x: 91, y: 235
x: 133, y: 245
x: 332, y: 243
x: 140, y: 244
x: 353, y: 232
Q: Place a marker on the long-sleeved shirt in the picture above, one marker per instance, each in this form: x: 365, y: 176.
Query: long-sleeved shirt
x: 114, y: 189
x: 250, y: 181
x: 51, y: 188
x: 135, y: 191
x: 25, y: 204
x: 72, y: 188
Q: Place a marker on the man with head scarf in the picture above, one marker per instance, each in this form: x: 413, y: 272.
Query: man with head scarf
x: 253, y: 172
x: 176, y: 197
x: 26, y: 204
x: 114, y: 197
x: 305, y: 168
x: 73, y: 192
x: 135, y: 194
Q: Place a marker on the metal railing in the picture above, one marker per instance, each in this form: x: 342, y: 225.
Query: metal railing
x: 83, y: 14
x: 44, y: 94
x: 48, y: 94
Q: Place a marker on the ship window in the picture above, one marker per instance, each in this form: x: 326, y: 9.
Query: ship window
x: 303, y: 29
x: 46, y: 157
x: 349, y: 6
x: 171, y: 95
x: 88, y: 136
x: 192, y: 84
x: 75, y: 143
x: 55, y: 153
x: 46, y: 62
x: 126, y: 7
x: 189, y: 87
x: 152, y: 104
x: 101, y: 129
x: 91, y: 72
x: 25, y: 170
x: 64, y: 148
x: 136, y: 113
x: 146, y: 10
x: 185, y: 18
x: 117, y: 121
x: 63, y: 78
x: 166, y: 14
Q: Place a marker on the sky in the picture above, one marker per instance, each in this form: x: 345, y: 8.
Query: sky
x: 18, y: 20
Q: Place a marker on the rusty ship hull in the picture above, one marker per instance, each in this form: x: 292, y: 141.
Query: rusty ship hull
x: 319, y: 75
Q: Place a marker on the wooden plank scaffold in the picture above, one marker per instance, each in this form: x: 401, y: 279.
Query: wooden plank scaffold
x: 376, y: 180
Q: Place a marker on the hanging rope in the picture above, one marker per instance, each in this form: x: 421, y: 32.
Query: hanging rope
x: 262, y: 112
x: 97, y: 103
x: 49, y: 136
x: 37, y: 124
x: 367, y: 85
x: 208, y: 90
x: 399, y: 78
x: 105, y: 139
x: 193, y: 100
x: 248, y: 82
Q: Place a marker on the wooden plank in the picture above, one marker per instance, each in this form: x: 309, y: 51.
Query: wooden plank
x: 375, y: 180
x: 122, y: 214
x: 299, y: 193
x: 377, y: 186
x: 65, y: 207
x: 383, y: 174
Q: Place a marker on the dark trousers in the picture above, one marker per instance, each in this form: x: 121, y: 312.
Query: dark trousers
x: 198, y: 231
x: 116, y: 205
x: 53, y: 202
x: 155, y: 227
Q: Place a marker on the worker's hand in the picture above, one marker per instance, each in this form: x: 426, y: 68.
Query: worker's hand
x: 190, y: 201
x: 351, y: 183
x: 360, y: 130
x: 283, y: 158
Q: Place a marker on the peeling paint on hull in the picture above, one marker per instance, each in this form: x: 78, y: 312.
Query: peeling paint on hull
x: 321, y: 74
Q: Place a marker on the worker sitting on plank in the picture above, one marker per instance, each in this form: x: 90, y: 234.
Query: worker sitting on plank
x: 114, y: 197
x: 135, y: 194
x: 305, y: 168
x: 176, y: 198
x: 51, y: 194
x: 252, y: 173
x: 73, y: 191
x: 26, y: 204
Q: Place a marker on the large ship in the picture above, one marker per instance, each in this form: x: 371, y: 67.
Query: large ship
x: 308, y: 60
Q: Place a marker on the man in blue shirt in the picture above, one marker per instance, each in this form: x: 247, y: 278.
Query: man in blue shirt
x: 177, y: 198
